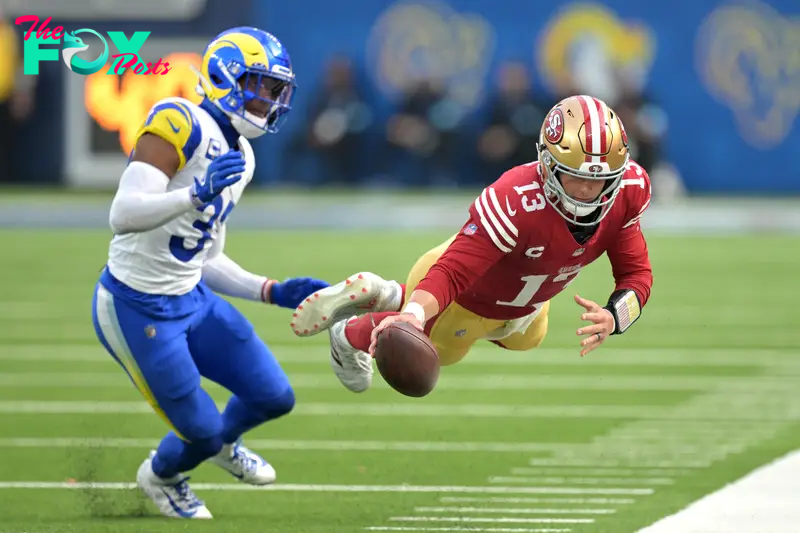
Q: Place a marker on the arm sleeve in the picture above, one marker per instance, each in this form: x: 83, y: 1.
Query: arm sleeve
x: 142, y: 202
x: 487, y: 237
x: 224, y: 276
x: 630, y: 261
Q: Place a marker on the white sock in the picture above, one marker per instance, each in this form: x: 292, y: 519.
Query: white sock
x: 395, y: 300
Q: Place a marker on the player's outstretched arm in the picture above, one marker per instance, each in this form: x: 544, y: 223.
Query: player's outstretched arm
x: 633, y: 275
x: 469, y: 256
x: 224, y: 276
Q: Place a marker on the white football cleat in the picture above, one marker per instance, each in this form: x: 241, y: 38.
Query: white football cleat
x: 357, y: 295
x: 244, y: 464
x: 173, y: 496
x: 352, y: 366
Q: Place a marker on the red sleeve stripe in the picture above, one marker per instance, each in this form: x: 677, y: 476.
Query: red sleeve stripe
x: 500, y: 211
x: 490, y: 224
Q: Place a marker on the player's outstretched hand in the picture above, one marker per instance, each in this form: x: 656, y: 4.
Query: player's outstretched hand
x: 602, y: 325
x: 291, y: 292
x: 223, y: 172
x: 386, y: 322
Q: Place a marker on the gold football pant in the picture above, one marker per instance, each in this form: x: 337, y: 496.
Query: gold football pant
x: 456, y: 329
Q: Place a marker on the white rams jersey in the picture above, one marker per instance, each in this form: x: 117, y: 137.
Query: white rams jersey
x: 169, y: 259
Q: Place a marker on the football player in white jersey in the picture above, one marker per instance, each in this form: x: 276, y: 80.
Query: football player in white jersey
x: 156, y: 309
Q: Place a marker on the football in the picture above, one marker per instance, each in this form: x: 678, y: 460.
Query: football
x: 407, y: 360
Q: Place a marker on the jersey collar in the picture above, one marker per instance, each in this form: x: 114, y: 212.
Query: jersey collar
x: 230, y: 133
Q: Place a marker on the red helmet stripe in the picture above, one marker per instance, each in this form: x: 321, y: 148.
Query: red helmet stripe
x: 601, y: 114
x: 587, y: 124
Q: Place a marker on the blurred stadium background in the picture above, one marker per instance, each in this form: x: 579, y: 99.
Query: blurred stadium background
x: 405, y: 111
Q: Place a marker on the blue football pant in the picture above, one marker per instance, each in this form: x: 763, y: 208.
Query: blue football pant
x: 165, y: 360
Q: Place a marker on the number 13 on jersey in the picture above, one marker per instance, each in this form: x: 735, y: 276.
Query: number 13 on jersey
x: 532, y: 285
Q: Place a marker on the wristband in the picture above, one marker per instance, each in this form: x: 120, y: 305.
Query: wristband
x: 415, y: 309
x: 625, y: 308
x: 266, y: 290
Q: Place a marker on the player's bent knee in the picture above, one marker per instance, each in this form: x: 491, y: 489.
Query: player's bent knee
x: 450, y: 357
x: 531, y: 339
x: 209, y: 446
x: 194, y: 417
x: 277, y: 406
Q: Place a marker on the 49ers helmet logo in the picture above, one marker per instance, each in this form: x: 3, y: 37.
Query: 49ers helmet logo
x: 554, y: 126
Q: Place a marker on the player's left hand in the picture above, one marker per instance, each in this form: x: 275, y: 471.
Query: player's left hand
x: 602, y: 325
x: 291, y: 292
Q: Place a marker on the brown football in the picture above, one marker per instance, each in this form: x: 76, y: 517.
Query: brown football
x: 407, y: 360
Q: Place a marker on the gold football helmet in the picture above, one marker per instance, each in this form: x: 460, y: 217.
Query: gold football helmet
x: 584, y: 138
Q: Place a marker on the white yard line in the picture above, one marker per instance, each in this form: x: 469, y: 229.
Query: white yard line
x: 589, y: 472
x: 360, y: 409
x: 486, y: 529
x: 621, y: 481
x: 317, y: 354
x: 561, y: 501
x: 492, y: 520
x: 764, y: 501
x: 450, y: 382
x: 512, y: 510
x: 276, y: 444
x: 620, y: 463
x: 290, y: 487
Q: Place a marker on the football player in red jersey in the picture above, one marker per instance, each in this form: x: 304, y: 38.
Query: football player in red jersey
x: 528, y: 236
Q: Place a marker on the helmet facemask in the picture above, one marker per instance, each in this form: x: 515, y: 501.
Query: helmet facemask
x: 249, y: 86
x: 573, y: 210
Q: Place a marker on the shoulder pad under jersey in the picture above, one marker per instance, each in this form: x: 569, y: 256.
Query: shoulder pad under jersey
x: 175, y: 123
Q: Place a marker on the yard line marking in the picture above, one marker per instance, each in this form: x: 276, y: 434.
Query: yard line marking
x: 571, y: 501
x: 494, y: 519
x: 278, y: 444
x: 763, y: 500
x: 487, y: 529
x: 511, y: 510
x: 360, y: 409
x: 291, y: 487
x: 435, y: 410
x: 614, y: 463
x: 663, y: 442
x: 596, y: 471
x: 783, y: 413
x: 582, y: 480
x: 451, y: 382
x: 292, y: 354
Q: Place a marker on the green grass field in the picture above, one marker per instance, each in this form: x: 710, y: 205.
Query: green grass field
x: 699, y: 392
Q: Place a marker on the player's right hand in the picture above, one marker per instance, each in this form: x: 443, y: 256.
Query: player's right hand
x: 386, y: 322
x: 223, y: 172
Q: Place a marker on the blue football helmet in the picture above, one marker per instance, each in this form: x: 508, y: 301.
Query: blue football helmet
x: 247, y: 73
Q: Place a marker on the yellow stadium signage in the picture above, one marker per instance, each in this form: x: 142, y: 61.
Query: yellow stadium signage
x: 121, y: 105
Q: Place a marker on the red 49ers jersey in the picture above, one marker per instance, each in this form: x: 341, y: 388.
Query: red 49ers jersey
x: 516, y: 252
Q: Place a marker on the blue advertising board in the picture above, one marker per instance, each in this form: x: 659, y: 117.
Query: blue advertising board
x: 727, y: 74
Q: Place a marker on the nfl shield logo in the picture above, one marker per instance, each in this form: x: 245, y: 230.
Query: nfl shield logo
x: 150, y: 331
x: 461, y: 333
x: 471, y: 229
x: 578, y: 252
